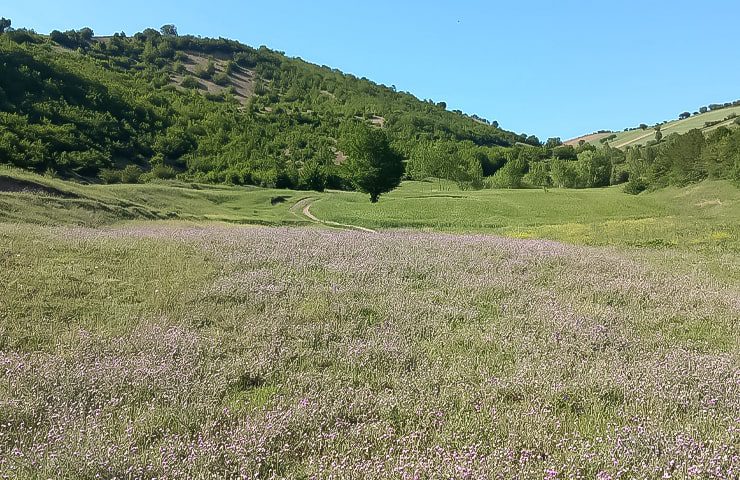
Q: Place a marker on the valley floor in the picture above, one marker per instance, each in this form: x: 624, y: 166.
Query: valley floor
x: 189, y: 348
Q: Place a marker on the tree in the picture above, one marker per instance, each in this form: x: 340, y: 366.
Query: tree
x: 565, y: 152
x: 684, y: 115
x: 539, y: 175
x: 553, y: 142
x: 658, y: 134
x: 86, y: 34
x: 511, y: 174
x: 372, y: 165
x: 643, y: 126
x: 563, y: 173
x: 594, y: 169
x: 703, y: 110
x: 4, y: 24
x: 312, y: 176
x: 168, y: 30
x: 683, y: 154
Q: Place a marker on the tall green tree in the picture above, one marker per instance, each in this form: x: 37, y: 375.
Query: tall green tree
x: 4, y: 24
x: 683, y: 154
x: 539, y: 175
x: 511, y: 174
x: 372, y: 165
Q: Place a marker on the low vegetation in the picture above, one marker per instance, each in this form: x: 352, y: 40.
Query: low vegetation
x: 336, y: 354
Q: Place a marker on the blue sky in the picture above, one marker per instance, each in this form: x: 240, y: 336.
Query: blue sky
x: 551, y: 68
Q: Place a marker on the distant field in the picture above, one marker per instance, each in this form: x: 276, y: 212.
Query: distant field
x: 106, y: 204
x: 705, y: 215
x: 593, y: 137
x: 641, y: 137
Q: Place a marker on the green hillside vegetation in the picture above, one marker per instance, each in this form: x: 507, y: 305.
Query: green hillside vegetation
x: 158, y: 105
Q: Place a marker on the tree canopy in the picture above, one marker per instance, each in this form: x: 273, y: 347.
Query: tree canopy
x: 372, y: 165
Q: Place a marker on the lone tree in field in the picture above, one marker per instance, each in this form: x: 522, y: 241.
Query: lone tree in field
x: 372, y: 165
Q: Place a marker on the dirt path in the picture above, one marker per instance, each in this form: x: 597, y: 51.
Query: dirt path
x: 304, y: 206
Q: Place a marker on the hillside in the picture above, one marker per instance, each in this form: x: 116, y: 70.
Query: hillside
x: 706, y: 122
x: 112, y: 108
x: 160, y: 106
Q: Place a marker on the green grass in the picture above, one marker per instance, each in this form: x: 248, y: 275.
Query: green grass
x: 178, y: 345
x: 50, y: 284
x: 641, y: 137
x: 94, y: 205
x: 705, y: 216
x: 209, y: 350
x: 702, y: 217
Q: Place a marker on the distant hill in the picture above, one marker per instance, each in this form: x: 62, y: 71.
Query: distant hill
x: 157, y: 104
x: 720, y: 116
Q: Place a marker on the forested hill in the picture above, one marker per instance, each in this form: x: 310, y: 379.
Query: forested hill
x: 160, y: 104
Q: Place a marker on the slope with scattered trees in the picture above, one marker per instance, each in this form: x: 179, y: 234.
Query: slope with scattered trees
x: 158, y: 105
x: 130, y: 108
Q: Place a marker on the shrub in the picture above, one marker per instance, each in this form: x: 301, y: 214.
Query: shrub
x: 159, y: 172
x: 221, y: 79
x: 207, y: 71
x: 190, y: 82
x: 109, y: 175
x: 21, y: 36
x: 131, y: 174
x: 635, y: 186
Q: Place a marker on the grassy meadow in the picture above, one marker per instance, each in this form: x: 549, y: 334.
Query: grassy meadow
x: 146, y: 333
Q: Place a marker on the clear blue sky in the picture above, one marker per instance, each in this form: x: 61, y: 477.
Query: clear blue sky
x: 551, y: 68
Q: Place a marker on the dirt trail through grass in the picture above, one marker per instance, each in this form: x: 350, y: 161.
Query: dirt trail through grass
x: 304, y: 207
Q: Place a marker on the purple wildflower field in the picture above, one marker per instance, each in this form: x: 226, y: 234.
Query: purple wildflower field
x: 309, y: 353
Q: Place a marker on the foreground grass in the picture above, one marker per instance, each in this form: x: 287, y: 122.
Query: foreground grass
x: 170, y: 351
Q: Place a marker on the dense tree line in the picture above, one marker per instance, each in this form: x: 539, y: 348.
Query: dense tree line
x: 683, y: 159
